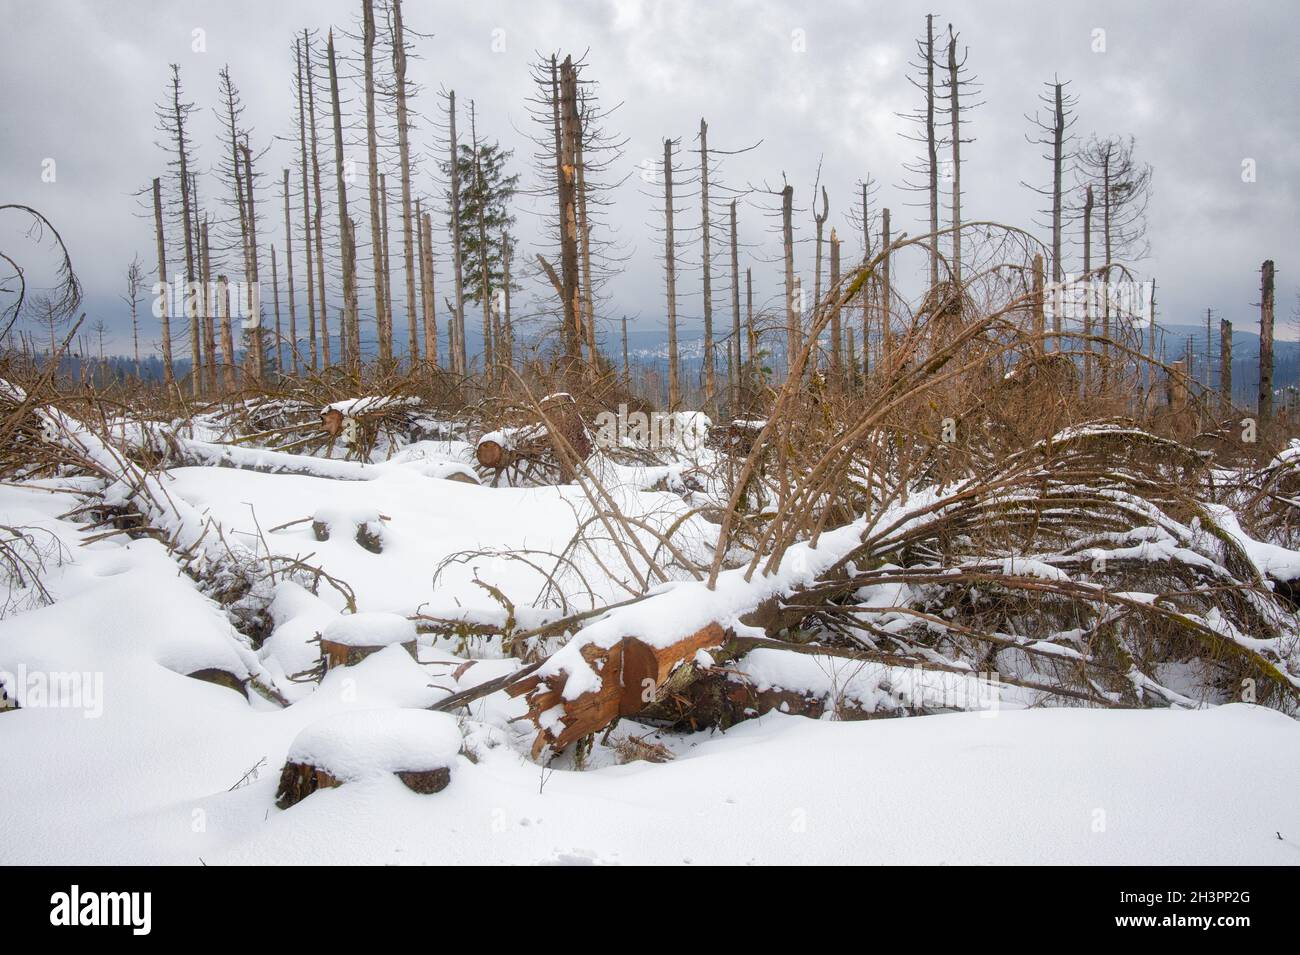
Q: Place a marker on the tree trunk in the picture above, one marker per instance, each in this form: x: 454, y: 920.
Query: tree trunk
x: 670, y: 272
x: 306, y: 209
x: 350, y: 333
x: 931, y: 149
x: 457, y: 336
x: 1266, y: 342
x: 279, y: 330
x: 209, y: 308
x: 706, y: 261
x: 837, y: 331
x: 886, y: 294
x: 182, y: 159
x: 485, y: 273
x: 1087, y: 291
x: 1225, y: 364
x: 254, y: 301
x: 288, y: 270
x: 954, y: 111
x: 584, y: 237
x: 227, y: 335
x: 169, y: 374
x: 404, y: 158
x: 570, y: 144
x: 426, y: 288
x: 793, y: 314
x: 318, y: 213
x: 735, y: 315
x: 383, y: 321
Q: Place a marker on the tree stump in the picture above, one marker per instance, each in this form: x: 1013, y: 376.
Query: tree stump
x: 350, y: 639
x: 418, y: 747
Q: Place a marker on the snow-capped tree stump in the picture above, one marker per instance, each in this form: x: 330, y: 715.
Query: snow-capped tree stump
x: 352, y: 638
x: 418, y: 747
x: 366, y: 527
x: 631, y: 673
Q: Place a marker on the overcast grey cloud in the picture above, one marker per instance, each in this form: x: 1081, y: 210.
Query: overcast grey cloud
x: 1202, y: 87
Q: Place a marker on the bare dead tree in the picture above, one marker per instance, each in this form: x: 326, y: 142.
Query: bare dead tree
x: 305, y: 169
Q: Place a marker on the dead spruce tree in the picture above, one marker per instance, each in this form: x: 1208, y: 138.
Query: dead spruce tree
x: 173, y: 116
x: 350, y: 333
x: 922, y: 174
x: 1052, y: 127
x: 305, y: 178
x: 1122, y: 185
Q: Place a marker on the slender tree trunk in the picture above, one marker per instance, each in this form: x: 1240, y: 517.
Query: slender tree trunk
x: 670, y: 272
x: 819, y: 222
x: 201, y: 293
x: 227, y: 336
x: 404, y: 156
x: 1105, y: 302
x: 288, y: 273
x: 279, y: 330
x: 350, y: 333
x: 459, y: 358
x: 383, y: 321
x: 751, y: 333
x: 318, y: 215
x: 570, y: 140
x: 209, y: 310
x: 710, y: 384
x: 506, y: 253
x: 1039, y: 323
x: 183, y: 176
x: 1087, y: 292
x: 931, y: 148
x: 866, y: 290
x: 169, y: 373
x: 385, y: 263
x: 306, y: 209
x: 734, y: 351
x: 1266, y: 342
x: 1058, y: 145
x: 431, y: 312
x: 886, y: 294
x: 1225, y: 365
x: 954, y: 110
x: 627, y: 374
x: 584, y: 238
x: 426, y: 291
x: 1151, y: 336
x: 485, y: 293
x: 793, y: 314
x: 837, y: 330
x: 256, y: 355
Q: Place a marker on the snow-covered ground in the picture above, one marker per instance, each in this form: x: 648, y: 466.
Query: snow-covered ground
x: 142, y: 764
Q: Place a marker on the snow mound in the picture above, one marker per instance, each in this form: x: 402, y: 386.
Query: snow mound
x: 352, y: 746
x: 372, y: 629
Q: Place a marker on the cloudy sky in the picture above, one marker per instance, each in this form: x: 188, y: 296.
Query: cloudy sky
x: 1202, y: 87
